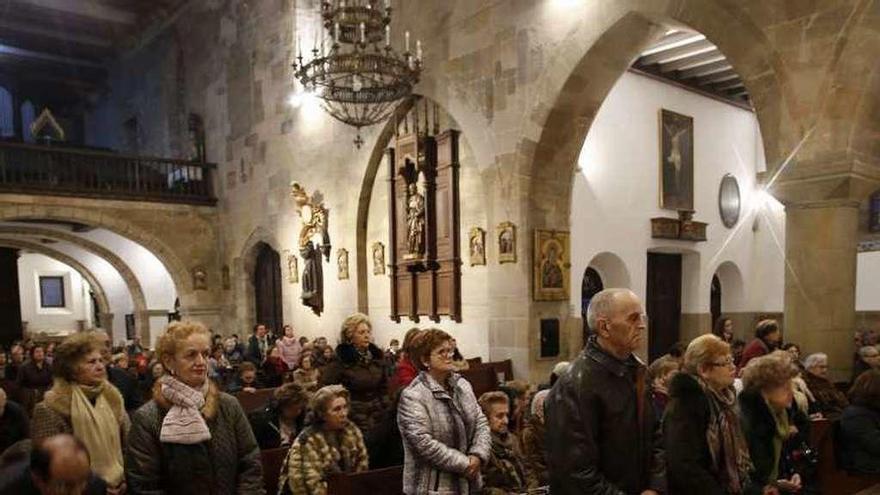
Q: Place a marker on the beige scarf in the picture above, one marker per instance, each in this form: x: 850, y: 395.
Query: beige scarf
x: 98, y: 428
x: 184, y: 423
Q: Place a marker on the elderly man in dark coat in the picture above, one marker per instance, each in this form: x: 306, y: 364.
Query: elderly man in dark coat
x: 602, y: 435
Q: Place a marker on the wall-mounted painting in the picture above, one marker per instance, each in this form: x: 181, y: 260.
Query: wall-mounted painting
x: 378, y: 258
x: 551, y: 265
x: 477, y: 246
x: 506, y: 242
x: 676, y: 161
x: 342, y: 264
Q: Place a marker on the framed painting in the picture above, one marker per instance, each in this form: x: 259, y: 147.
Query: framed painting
x: 378, y: 258
x: 676, y: 161
x: 506, y: 242
x: 551, y: 265
x: 477, y: 246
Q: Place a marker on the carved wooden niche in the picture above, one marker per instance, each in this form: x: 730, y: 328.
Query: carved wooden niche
x: 424, y: 248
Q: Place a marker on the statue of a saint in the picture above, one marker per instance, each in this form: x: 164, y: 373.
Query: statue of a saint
x: 415, y: 220
x: 312, y: 278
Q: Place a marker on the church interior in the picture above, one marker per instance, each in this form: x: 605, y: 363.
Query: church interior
x: 480, y: 167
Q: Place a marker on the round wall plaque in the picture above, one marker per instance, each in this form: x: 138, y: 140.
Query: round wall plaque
x: 729, y: 202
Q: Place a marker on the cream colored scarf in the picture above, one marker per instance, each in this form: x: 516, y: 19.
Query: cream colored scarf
x: 98, y: 428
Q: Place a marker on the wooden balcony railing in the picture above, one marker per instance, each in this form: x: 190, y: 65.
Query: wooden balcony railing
x: 31, y: 169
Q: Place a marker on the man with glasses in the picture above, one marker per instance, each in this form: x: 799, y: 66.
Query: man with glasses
x: 602, y: 435
x: 58, y: 465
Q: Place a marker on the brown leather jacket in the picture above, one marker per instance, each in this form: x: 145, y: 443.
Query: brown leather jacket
x: 601, y: 439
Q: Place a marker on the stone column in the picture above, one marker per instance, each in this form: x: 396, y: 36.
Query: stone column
x: 821, y: 239
x: 105, y: 321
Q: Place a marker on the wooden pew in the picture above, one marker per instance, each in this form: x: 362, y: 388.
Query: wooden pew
x: 272, y: 460
x: 387, y: 481
x: 474, y: 361
x: 832, y: 478
x: 482, y: 379
x: 502, y: 367
x: 253, y: 401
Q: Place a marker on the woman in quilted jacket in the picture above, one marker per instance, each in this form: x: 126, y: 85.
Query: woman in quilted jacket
x: 331, y: 444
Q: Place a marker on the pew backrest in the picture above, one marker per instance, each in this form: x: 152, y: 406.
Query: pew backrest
x: 254, y: 401
x: 272, y: 461
x: 387, y: 481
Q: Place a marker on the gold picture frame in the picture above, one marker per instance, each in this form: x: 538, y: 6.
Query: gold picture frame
x: 506, y: 237
x: 676, y: 161
x: 551, y: 265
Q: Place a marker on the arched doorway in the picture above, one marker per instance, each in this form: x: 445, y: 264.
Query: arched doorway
x: 715, y: 299
x: 590, y: 286
x: 267, y: 287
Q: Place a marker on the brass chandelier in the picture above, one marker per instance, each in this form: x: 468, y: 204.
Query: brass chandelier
x: 361, y: 79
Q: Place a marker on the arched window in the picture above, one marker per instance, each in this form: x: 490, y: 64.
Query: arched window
x: 27, y: 118
x: 7, y: 126
x: 590, y: 286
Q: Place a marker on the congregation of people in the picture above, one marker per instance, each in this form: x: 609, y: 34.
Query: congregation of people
x: 714, y: 416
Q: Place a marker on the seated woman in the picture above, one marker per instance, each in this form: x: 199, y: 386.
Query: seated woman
x: 83, y: 403
x: 274, y: 368
x: 860, y: 426
x: 867, y: 358
x: 706, y: 451
x: 281, y: 421
x: 446, y: 438
x: 533, y: 434
x: 769, y: 421
x: 828, y: 401
x: 306, y: 375
x: 505, y: 472
x: 191, y: 438
x: 246, y: 381
x: 330, y: 444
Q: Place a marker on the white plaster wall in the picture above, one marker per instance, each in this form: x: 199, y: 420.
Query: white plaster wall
x: 57, y: 321
x: 616, y: 193
x: 159, y: 290
x: 868, y: 282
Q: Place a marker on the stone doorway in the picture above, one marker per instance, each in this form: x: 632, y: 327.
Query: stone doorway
x: 267, y: 288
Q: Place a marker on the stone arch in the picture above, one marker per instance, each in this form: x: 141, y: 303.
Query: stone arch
x: 244, y: 266
x: 115, y: 223
x: 551, y: 159
x: 612, y: 269
x: 732, y: 286
x: 131, y: 281
x: 100, y: 295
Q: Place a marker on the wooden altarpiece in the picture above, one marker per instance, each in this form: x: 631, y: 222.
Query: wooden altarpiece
x: 424, y: 244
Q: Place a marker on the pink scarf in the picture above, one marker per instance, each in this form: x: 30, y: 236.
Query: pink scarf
x: 184, y: 423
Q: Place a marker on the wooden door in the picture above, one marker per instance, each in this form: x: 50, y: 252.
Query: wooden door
x: 715, y: 299
x: 10, y: 300
x: 590, y: 286
x: 663, y: 302
x: 267, y: 288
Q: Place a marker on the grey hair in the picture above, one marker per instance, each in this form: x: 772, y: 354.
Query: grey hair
x: 601, y: 305
x: 864, y: 350
x: 814, y: 359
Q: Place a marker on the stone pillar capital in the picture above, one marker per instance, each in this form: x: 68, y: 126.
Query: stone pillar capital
x: 833, y: 178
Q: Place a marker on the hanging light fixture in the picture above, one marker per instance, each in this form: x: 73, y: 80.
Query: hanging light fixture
x: 361, y: 79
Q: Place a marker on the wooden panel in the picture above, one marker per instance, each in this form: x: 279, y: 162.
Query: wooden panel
x: 663, y: 302
x: 10, y: 302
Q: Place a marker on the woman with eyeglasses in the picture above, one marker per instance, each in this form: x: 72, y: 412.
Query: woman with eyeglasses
x: 705, y: 446
x: 446, y: 437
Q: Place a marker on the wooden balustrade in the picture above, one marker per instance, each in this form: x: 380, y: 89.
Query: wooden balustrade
x: 34, y: 169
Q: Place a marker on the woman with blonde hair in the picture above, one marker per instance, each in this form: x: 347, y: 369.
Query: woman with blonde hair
x: 83, y: 403
x: 706, y: 451
x: 191, y: 438
x: 330, y: 444
x: 361, y: 368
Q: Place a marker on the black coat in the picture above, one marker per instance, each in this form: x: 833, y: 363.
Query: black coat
x: 128, y: 386
x: 253, y: 353
x: 860, y: 440
x: 16, y: 479
x: 14, y: 425
x: 688, y: 460
x: 759, y: 428
x: 596, y: 442
x: 35, y: 378
x: 267, y: 429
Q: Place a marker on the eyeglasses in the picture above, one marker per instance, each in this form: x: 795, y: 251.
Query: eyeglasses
x: 721, y: 364
x: 444, y: 352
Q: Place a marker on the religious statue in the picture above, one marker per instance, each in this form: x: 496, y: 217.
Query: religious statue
x: 314, y: 217
x: 415, y: 221
x: 378, y: 258
x: 200, y: 278
x: 312, y: 278
x: 342, y: 264
x: 477, y: 246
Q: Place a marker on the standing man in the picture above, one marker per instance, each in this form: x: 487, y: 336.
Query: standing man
x: 602, y: 435
x: 258, y: 345
x: 767, y: 339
